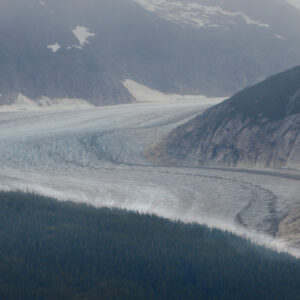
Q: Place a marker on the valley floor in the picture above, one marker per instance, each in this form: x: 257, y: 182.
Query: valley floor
x: 95, y: 156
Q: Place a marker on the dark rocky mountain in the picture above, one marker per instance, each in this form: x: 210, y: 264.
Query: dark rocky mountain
x: 85, y: 49
x: 257, y: 127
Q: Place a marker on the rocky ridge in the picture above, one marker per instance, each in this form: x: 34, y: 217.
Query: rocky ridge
x: 258, y: 127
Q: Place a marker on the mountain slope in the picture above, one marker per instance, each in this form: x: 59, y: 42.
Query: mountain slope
x: 257, y: 127
x: 86, y: 49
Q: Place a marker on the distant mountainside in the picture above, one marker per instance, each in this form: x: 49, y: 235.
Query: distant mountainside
x: 257, y: 127
x: 86, y: 49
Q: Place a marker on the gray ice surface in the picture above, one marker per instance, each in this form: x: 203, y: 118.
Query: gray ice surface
x: 94, y: 156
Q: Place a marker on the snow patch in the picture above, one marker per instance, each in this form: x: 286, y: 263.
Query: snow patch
x: 143, y: 93
x: 195, y: 14
x: 280, y: 37
x: 55, y: 47
x: 295, y: 3
x: 82, y: 34
x: 22, y: 103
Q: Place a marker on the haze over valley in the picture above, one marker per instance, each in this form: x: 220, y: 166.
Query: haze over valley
x: 72, y: 49
x: 189, y: 110
x: 95, y: 156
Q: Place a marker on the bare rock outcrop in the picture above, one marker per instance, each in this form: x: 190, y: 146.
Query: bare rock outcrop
x: 289, y: 229
x: 258, y: 127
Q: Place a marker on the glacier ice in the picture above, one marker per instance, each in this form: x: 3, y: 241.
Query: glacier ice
x: 93, y: 155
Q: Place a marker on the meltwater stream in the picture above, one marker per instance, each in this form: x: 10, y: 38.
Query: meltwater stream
x: 94, y: 156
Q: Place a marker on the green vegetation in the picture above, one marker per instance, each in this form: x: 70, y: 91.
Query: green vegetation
x: 53, y: 250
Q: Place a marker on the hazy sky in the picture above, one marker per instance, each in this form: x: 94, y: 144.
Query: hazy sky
x: 294, y: 2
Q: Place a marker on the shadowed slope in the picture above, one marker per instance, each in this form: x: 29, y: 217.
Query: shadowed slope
x: 258, y: 127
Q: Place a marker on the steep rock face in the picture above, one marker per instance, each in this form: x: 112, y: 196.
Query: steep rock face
x: 289, y: 228
x: 85, y: 49
x: 258, y: 127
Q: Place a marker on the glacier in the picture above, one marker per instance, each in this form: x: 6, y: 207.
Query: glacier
x: 94, y: 155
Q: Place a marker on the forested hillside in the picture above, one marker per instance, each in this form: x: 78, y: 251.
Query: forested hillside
x: 53, y: 250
